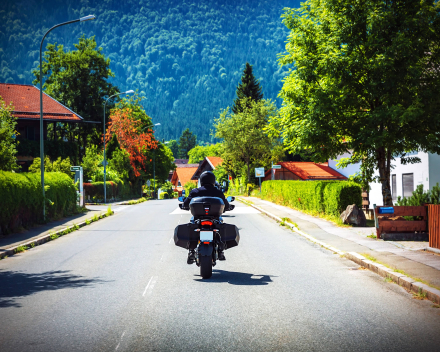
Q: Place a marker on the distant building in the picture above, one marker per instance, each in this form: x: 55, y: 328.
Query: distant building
x: 207, y: 164
x: 26, y: 101
x: 181, y: 175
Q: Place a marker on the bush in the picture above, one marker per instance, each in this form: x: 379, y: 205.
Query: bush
x: 329, y: 197
x: 421, y: 197
x: 22, y: 199
x: 115, y: 189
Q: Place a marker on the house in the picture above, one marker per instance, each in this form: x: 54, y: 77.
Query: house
x: 302, y: 170
x: 26, y: 101
x: 404, y: 178
x: 207, y: 164
x: 181, y: 175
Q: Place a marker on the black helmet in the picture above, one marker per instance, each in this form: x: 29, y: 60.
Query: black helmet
x: 207, y: 178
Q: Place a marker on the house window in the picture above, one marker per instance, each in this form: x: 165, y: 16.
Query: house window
x: 408, y: 184
x: 394, y: 187
x: 178, y: 183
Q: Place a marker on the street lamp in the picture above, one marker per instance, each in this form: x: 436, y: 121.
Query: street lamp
x: 114, y: 95
x: 82, y: 19
x: 154, y: 164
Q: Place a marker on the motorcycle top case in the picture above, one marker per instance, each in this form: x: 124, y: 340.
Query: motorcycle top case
x: 183, y: 234
x: 207, y: 206
x: 229, y: 234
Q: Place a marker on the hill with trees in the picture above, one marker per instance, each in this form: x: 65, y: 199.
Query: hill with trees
x: 185, y: 56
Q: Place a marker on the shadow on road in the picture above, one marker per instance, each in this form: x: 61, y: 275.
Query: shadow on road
x: 237, y: 278
x: 15, y: 284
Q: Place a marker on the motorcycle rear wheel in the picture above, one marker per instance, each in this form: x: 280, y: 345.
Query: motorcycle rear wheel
x: 205, y: 267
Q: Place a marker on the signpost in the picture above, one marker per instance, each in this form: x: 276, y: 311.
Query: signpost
x: 259, y: 172
x: 78, y: 170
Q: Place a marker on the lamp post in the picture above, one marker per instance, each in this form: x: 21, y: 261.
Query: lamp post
x: 114, y: 95
x: 154, y: 165
x: 82, y: 19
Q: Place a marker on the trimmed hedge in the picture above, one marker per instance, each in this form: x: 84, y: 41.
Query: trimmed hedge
x: 114, y: 189
x: 21, y: 198
x: 329, y: 197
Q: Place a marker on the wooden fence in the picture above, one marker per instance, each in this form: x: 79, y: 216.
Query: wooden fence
x: 434, y: 226
x: 384, y: 225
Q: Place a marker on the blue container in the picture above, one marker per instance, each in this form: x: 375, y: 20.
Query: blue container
x: 386, y: 210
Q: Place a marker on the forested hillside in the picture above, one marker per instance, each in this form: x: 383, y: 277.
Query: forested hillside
x: 185, y: 56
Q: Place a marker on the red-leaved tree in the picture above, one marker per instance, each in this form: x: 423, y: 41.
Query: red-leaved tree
x: 131, y: 137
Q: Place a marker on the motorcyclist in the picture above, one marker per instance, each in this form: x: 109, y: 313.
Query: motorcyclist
x: 207, y: 189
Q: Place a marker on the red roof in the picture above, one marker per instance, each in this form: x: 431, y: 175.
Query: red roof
x: 26, y: 101
x: 312, y: 171
x: 214, y: 161
x: 183, y: 174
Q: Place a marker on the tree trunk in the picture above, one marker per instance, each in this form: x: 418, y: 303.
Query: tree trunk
x: 383, y: 162
x: 248, y: 171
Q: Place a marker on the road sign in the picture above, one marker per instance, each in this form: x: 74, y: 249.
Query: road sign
x: 75, y: 168
x: 106, y: 162
x: 148, y: 183
x: 259, y: 172
x: 276, y: 166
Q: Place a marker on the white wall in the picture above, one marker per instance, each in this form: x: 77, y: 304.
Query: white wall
x: 420, y: 173
x: 427, y: 173
x: 347, y: 171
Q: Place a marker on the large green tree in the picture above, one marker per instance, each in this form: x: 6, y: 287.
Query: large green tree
x: 7, y: 137
x: 79, y: 80
x: 364, y: 80
x: 244, y: 141
x: 174, y: 146
x: 187, y: 141
x: 248, y: 88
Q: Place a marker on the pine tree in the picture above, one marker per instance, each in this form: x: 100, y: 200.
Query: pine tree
x: 111, y: 147
x: 187, y: 141
x: 248, y: 88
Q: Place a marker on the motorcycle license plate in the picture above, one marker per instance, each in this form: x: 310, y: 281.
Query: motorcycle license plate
x: 206, y: 236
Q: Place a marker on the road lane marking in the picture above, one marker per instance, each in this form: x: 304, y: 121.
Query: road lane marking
x: 179, y: 211
x: 120, y: 340
x: 150, y: 286
x: 170, y: 240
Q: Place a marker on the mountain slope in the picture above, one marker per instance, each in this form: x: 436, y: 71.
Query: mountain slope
x: 186, y: 57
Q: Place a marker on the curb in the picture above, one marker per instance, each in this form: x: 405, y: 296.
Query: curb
x: 46, y: 238
x: 406, y: 282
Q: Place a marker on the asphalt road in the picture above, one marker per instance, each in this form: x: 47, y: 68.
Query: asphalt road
x: 120, y: 284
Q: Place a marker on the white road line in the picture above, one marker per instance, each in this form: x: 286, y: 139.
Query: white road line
x: 161, y: 258
x: 146, y: 288
x: 170, y: 239
x: 120, y: 340
x: 150, y: 285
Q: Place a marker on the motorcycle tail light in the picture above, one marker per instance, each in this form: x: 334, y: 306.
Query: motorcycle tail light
x: 205, y: 242
x: 206, y: 223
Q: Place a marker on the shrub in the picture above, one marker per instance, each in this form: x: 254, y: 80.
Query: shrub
x: 329, y: 197
x: 421, y: 197
x: 22, y: 199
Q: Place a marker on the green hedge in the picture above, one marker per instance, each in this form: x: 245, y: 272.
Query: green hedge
x: 22, y: 198
x: 114, y: 189
x: 329, y: 197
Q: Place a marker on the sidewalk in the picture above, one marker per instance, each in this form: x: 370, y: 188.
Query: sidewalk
x: 9, y: 242
x: 409, y: 257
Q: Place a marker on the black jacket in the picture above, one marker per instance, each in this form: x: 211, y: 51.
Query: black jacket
x: 205, y: 191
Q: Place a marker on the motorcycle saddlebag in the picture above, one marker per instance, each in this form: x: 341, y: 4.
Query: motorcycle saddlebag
x: 207, y: 206
x: 183, y: 234
x: 229, y: 235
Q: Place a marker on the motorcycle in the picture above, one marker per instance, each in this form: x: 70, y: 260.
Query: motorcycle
x: 206, y: 231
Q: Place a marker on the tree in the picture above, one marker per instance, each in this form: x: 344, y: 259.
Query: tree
x: 198, y: 153
x: 132, y: 137
x: 187, y: 141
x: 243, y: 139
x: 120, y: 162
x: 174, y: 146
x: 91, y: 162
x: 59, y: 165
x: 248, y: 88
x: 365, y: 81
x: 79, y: 80
x: 111, y: 147
x: 7, y: 137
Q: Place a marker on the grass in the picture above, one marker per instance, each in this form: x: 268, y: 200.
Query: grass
x: 20, y: 249
x: 419, y: 295
x: 373, y: 236
x: 369, y: 257
x: 370, y: 223
x: 137, y: 201
x: 388, y: 279
x: 109, y: 211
